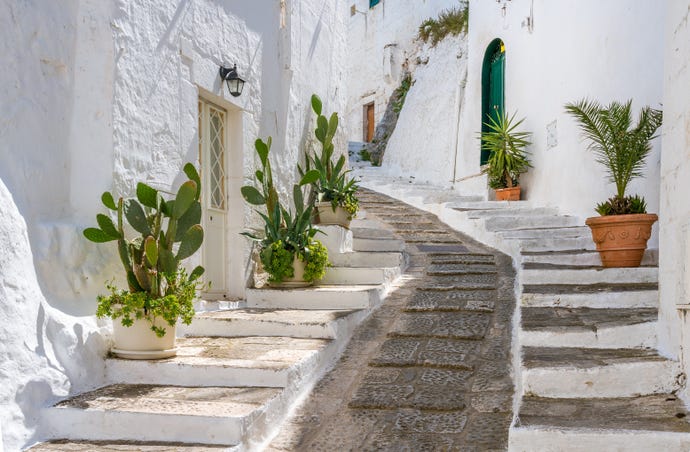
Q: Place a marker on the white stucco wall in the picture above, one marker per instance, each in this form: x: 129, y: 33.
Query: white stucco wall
x: 423, y: 142
x: 577, y: 48
x: 380, y: 40
x: 674, y: 212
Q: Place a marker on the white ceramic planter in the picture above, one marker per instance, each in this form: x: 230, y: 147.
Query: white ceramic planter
x: 297, y: 280
x: 326, y: 215
x: 139, y: 342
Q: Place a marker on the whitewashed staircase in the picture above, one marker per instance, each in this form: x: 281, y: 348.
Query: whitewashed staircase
x: 589, y: 375
x: 240, y: 366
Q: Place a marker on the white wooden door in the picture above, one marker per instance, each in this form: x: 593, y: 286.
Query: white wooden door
x: 213, y: 157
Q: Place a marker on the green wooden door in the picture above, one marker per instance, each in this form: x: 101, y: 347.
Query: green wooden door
x: 493, y: 81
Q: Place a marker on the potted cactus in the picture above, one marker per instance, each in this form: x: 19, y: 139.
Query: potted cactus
x: 159, y: 289
x: 287, y: 247
x: 624, y: 226
x: 336, y: 200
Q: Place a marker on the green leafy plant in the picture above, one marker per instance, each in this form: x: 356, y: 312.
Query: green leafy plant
x: 333, y: 184
x: 618, y: 145
x: 449, y: 22
x: 168, y: 232
x: 508, y: 153
x: 364, y: 155
x: 400, y: 93
x: 286, y: 234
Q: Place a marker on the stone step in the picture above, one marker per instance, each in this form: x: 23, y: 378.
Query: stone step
x: 360, y: 275
x: 316, y: 297
x: 588, y: 328
x: 226, y: 361
x: 208, y: 415
x: 587, y: 258
x: 627, y: 299
x: 649, y: 423
x: 546, y: 233
x: 63, y: 445
x: 368, y: 259
x: 463, y: 206
x: 372, y: 244
x: 372, y: 233
x: 557, y: 244
x: 576, y: 276
x: 511, y: 211
x: 496, y: 224
x: 587, y: 372
x: 271, y: 322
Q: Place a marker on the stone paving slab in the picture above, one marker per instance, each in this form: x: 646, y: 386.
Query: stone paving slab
x: 431, y: 369
x: 555, y: 318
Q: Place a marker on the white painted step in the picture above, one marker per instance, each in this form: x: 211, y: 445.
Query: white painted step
x: 522, y: 222
x: 546, y: 233
x: 374, y: 244
x: 360, y: 275
x: 220, y: 361
x: 556, y: 244
x: 215, y: 415
x: 630, y: 299
x: 511, y: 211
x: 316, y: 297
x: 484, y: 205
x: 587, y: 258
x: 640, y: 275
x: 591, y: 373
x: 272, y: 322
x: 368, y: 259
x: 640, y: 335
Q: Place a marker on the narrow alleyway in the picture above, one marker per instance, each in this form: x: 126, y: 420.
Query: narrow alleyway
x: 431, y: 368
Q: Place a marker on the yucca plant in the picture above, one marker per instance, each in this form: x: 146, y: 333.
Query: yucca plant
x: 618, y: 145
x: 508, y: 153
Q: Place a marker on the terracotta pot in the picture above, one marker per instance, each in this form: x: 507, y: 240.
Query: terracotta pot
x: 508, y: 194
x: 297, y: 279
x: 139, y: 342
x: 326, y: 215
x: 621, y: 239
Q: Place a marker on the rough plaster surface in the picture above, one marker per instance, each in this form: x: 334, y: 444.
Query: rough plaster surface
x: 423, y: 143
x: 43, y: 354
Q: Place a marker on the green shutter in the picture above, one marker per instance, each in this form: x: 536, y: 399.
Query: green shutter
x: 373, y: 3
x: 493, y: 86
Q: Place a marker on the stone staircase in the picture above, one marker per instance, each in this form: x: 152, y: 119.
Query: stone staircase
x: 240, y: 367
x: 588, y: 374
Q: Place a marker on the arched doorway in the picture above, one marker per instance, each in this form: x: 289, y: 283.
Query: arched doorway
x: 493, y: 78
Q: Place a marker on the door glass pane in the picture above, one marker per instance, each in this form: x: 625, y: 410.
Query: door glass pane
x: 217, y: 158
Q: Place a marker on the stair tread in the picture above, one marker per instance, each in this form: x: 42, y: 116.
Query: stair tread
x: 585, y: 358
x: 256, y: 352
x: 558, y: 318
x: 548, y: 266
x: 61, y: 445
x: 660, y: 412
x: 587, y: 288
x: 213, y: 402
x: 286, y: 316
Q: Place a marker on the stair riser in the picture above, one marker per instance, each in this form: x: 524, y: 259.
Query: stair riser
x: 367, y: 259
x: 485, y: 205
x: 638, y: 299
x: 385, y: 245
x: 585, y: 259
x: 617, y: 380
x: 509, y: 223
x: 348, y: 276
x: 642, y: 335
x: 287, y: 299
x: 554, y: 233
x: 521, y: 212
x: 641, y: 275
x: 559, y: 244
x: 581, y: 440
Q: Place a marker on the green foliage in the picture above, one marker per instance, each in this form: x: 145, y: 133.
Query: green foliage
x: 400, y: 93
x: 364, y: 155
x: 507, y: 147
x: 617, y: 144
x: 452, y: 21
x: 622, y: 206
x: 286, y: 233
x: 316, y: 258
x: 169, y: 232
x: 333, y: 183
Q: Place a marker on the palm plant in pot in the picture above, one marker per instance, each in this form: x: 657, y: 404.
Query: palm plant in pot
x: 624, y: 226
x: 159, y: 289
x: 508, y: 155
x: 336, y: 199
x: 289, y: 253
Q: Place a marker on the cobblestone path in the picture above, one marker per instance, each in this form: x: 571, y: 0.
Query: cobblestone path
x: 431, y: 368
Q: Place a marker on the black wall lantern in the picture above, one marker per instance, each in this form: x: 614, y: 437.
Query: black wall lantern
x: 235, y: 83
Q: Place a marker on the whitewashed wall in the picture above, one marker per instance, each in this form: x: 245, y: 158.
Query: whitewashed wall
x: 380, y: 39
x: 674, y: 218
x: 98, y: 95
x: 578, y: 48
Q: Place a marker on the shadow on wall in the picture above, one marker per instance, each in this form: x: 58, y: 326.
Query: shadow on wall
x: 385, y: 128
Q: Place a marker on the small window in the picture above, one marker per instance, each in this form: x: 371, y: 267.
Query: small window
x: 373, y: 3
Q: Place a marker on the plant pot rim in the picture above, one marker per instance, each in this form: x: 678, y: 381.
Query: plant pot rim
x: 514, y: 187
x: 626, y: 218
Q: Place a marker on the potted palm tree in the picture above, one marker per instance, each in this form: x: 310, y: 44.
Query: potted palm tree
x: 160, y: 291
x: 508, y: 155
x: 289, y: 253
x: 624, y: 226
